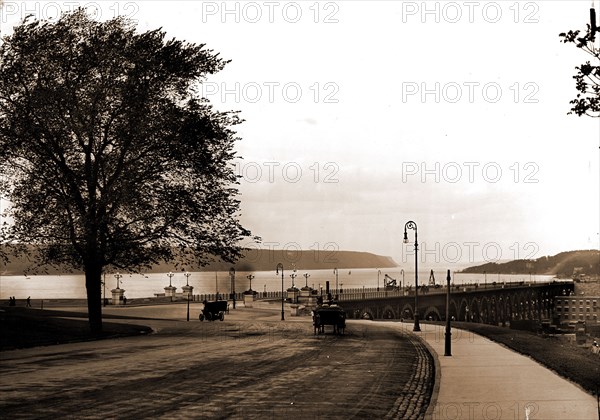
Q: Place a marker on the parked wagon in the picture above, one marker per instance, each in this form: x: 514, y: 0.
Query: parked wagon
x: 332, y: 315
x: 213, y: 310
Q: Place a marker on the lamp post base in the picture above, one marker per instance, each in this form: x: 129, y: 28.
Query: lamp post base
x: 448, y: 343
x: 416, y: 327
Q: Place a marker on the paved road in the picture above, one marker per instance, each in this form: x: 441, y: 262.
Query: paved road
x: 252, y: 365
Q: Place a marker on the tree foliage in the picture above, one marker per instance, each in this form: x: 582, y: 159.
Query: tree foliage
x: 109, y: 156
x: 587, y: 78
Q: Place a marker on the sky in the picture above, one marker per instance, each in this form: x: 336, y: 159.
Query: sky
x: 361, y: 116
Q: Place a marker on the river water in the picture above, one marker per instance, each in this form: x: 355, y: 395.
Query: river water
x: 139, y: 286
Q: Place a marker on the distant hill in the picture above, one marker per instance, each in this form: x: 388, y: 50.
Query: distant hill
x: 259, y: 260
x: 264, y: 260
x: 565, y: 264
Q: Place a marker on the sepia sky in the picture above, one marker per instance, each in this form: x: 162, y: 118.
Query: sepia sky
x: 360, y: 116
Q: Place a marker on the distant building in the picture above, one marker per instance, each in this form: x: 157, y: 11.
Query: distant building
x: 577, y: 308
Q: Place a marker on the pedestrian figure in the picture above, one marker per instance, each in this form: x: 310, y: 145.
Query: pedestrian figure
x: 28, y: 302
x: 124, y: 300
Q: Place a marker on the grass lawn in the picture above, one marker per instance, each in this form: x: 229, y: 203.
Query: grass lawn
x: 578, y: 364
x: 27, y: 327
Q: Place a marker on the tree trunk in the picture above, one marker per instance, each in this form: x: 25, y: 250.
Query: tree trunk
x: 93, y: 277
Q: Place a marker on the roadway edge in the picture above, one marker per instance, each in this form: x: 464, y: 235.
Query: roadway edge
x: 437, y: 377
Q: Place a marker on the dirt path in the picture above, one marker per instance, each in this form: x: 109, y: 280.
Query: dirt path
x: 244, y: 367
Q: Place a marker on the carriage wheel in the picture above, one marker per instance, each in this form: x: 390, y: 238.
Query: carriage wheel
x: 222, y: 316
x: 201, y: 317
x: 209, y: 316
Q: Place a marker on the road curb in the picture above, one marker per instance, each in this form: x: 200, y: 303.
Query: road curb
x: 436, y: 377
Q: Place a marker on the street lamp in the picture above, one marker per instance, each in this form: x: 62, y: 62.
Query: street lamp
x: 378, y: 274
x: 171, y: 292
x: 335, y: 270
x: 187, y: 275
x: 402, y: 286
x: 280, y: 267
x: 187, y: 283
x: 170, y: 275
x: 306, y: 276
x: 448, y: 335
x: 293, y: 276
x: 412, y: 225
x: 250, y: 277
x: 118, y: 276
x: 232, y: 278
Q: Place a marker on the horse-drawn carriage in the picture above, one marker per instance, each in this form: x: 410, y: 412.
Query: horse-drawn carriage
x: 214, y: 310
x: 329, y: 315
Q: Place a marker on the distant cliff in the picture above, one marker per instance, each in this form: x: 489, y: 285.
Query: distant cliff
x: 265, y: 260
x: 260, y: 260
x: 565, y: 264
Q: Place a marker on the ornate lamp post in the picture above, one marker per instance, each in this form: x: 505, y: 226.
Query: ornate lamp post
x: 170, y: 276
x: 378, y: 274
x: 170, y: 290
x: 402, y: 286
x: 412, y: 225
x: 118, y: 276
x: 187, y: 283
x: 448, y: 334
x: 250, y: 277
x: 335, y: 271
x: 293, y: 276
x: 280, y: 267
x: 232, y: 279
x: 187, y: 275
x: 250, y: 295
x: 306, y: 276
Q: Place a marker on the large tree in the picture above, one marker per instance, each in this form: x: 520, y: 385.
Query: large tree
x: 109, y: 157
x: 587, y: 78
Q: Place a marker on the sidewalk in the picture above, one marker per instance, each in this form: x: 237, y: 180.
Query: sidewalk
x: 484, y: 380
